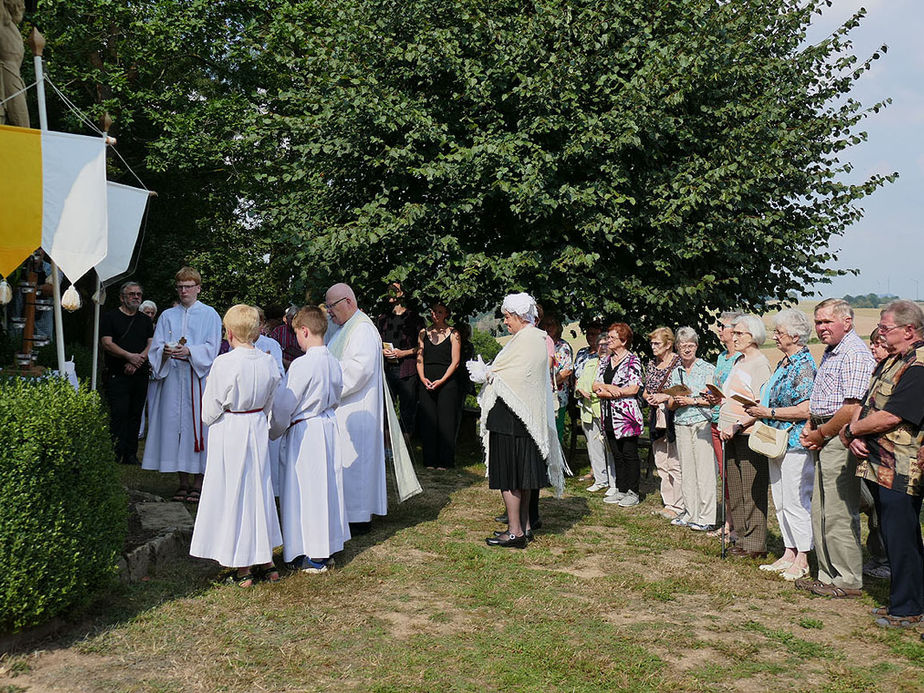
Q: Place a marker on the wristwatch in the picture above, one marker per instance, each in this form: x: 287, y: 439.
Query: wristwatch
x: 773, y: 413
x: 848, y: 434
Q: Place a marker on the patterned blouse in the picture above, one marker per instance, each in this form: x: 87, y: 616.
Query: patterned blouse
x: 790, y: 385
x: 624, y: 412
x: 563, y: 362
x: 696, y: 380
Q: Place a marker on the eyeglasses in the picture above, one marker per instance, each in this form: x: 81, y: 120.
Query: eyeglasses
x: 132, y: 293
x: 723, y: 326
x: 738, y: 333
x: 885, y: 329
x: 329, y: 306
x: 186, y: 287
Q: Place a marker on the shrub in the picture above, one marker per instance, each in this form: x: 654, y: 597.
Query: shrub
x: 62, y: 509
x: 485, y: 344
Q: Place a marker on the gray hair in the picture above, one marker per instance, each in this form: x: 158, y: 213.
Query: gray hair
x: 755, y: 327
x: 129, y: 284
x: 839, y: 307
x: 795, y: 323
x: 687, y: 334
x: 730, y: 317
x: 147, y: 304
x: 906, y: 313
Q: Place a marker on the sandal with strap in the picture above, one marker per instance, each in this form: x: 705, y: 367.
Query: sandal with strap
x: 269, y: 572
x: 193, y: 496
x: 243, y: 581
x: 889, y: 621
x: 180, y: 495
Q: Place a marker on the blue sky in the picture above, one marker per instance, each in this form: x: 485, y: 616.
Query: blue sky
x: 887, y: 245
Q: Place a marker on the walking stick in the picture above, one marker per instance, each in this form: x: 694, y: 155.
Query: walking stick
x: 724, y: 482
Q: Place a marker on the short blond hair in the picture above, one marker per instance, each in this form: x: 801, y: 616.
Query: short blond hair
x: 188, y: 274
x: 665, y: 334
x: 243, y: 321
x: 313, y: 318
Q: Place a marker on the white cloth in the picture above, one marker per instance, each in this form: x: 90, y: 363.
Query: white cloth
x: 236, y: 523
x: 522, y: 305
x: 314, y: 521
x: 360, y: 417
x: 520, y: 376
x: 271, y: 347
x: 792, y: 479
x: 176, y: 440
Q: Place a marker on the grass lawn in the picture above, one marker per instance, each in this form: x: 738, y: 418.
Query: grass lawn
x: 606, y: 599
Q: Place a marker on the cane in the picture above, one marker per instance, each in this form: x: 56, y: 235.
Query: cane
x: 724, y: 475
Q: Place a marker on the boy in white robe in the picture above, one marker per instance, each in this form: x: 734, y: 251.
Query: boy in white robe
x: 237, y: 523
x: 185, y: 343
x: 314, y: 520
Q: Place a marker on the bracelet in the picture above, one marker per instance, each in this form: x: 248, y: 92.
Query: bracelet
x: 773, y: 413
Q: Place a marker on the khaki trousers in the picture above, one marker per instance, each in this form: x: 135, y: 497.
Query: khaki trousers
x: 836, y: 517
x: 668, y: 465
x: 697, y: 471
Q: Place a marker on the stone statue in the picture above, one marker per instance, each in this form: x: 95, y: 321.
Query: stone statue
x: 14, y: 111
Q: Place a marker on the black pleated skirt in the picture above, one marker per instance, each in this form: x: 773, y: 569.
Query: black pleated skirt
x: 514, y: 460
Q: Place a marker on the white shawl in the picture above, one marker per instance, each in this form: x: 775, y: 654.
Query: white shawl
x: 520, y: 376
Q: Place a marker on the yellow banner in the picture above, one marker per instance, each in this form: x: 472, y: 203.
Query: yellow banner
x: 20, y: 195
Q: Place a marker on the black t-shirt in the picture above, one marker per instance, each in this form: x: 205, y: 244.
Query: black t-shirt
x: 130, y: 332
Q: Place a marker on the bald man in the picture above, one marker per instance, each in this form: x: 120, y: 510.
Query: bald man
x: 355, y: 342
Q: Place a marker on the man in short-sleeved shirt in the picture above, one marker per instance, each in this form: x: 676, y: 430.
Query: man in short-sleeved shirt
x: 125, y: 335
x: 840, y: 384
x: 888, y: 436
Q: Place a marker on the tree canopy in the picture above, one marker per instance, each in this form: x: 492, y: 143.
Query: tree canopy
x: 649, y: 160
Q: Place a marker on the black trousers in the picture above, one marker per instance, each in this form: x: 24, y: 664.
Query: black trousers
x: 126, y: 395
x: 405, y: 389
x: 900, y: 524
x: 437, y: 412
x: 626, y: 463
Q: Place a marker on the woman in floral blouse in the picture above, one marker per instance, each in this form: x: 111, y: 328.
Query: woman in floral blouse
x: 619, y: 379
x: 785, y: 404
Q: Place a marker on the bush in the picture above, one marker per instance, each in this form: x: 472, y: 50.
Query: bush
x: 484, y: 344
x: 62, y: 509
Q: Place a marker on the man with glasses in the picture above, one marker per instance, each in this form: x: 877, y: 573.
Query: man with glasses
x: 887, y: 436
x: 840, y: 385
x: 186, y: 341
x: 125, y: 335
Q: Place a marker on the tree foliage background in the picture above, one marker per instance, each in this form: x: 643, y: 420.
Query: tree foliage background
x: 652, y: 160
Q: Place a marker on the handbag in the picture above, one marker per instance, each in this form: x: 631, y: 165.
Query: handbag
x: 769, y: 441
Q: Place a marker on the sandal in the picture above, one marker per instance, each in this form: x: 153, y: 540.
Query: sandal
x: 180, y: 495
x: 269, y: 572
x: 193, y: 496
x: 835, y: 592
x: 243, y: 581
x: 889, y: 621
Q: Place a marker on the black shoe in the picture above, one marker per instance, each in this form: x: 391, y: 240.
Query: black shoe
x: 131, y: 459
x: 358, y: 528
x: 502, y: 519
x: 529, y: 535
x: 512, y: 542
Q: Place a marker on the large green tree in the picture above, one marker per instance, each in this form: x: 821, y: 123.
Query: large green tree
x: 649, y: 159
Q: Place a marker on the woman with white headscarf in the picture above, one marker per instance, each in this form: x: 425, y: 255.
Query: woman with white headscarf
x: 518, y: 420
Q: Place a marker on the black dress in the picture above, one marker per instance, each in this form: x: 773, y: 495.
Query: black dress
x: 438, y: 409
x: 514, y: 460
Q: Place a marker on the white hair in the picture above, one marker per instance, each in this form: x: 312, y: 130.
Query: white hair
x: 755, y: 327
x: 687, y: 334
x: 795, y: 323
x: 147, y: 304
x: 522, y: 305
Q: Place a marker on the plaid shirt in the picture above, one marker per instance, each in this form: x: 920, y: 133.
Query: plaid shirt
x: 844, y: 373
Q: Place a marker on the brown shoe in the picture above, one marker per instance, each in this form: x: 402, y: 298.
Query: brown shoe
x: 835, y: 592
x: 808, y: 584
x: 744, y: 553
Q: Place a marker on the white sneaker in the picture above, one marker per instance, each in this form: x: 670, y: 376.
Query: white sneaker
x: 615, y: 498
x: 629, y: 500
x: 596, y: 487
x: 613, y: 491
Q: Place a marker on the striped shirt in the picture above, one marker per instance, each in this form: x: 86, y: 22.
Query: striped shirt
x: 844, y: 374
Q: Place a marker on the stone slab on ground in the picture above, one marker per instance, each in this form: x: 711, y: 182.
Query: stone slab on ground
x: 159, y: 517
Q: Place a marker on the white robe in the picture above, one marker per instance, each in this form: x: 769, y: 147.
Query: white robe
x: 236, y: 523
x: 176, y: 438
x: 314, y: 521
x: 271, y: 347
x: 360, y: 418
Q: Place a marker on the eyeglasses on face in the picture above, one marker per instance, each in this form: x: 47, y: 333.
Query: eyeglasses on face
x: 186, y: 287
x: 330, y: 306
x: 132, y: 293
x: 738, y: 333
x: 885, y: 329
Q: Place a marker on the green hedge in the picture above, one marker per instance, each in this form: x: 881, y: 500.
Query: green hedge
x: 62, y: 508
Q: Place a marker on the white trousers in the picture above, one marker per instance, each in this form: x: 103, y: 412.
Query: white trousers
x: 792, y: 478
x: 668, y: 465
x: 598, y: 452
x: 697, y: 467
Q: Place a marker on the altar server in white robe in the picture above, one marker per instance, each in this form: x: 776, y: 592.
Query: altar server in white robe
x: 186, y: 342
x: 314, y: 521
x: 237, y: 523
x: 355, y: 342
x: 271, y: 347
